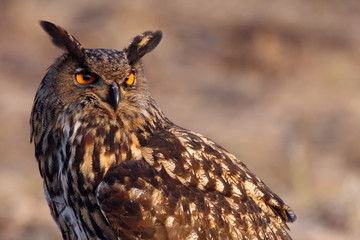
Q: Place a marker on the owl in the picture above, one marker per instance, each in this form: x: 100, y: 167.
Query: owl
x: 115, y: 167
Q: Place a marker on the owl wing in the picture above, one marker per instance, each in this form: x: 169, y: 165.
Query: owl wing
x: 187, y: 187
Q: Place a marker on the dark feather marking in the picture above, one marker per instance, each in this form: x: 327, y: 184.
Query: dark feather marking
x: 96, y: 163
x: 109, y: 139
x: 95, y: 225
x: 82, y: 184
x: 70, y: 190
x: 89, y: 231
x: 38, y: 147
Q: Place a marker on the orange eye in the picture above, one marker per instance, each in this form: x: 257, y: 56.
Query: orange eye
x: 85, y: 78
x: 130, y: 79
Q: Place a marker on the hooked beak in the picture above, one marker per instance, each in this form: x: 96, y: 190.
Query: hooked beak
x: 114, y: 96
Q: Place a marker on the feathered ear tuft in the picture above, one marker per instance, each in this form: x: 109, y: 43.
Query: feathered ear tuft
x: 141, y: 45
x: 63, y: 39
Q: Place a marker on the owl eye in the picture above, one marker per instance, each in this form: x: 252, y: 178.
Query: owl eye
x: 130, y: 79
x: 85, y: 78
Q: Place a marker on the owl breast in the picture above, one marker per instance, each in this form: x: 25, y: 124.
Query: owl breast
x: 71, y: 169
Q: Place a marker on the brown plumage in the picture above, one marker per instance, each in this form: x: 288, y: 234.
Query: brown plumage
x: 114, y: 167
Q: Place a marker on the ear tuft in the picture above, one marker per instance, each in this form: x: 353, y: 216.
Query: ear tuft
x: 63, y: 39
x: 141, y: 45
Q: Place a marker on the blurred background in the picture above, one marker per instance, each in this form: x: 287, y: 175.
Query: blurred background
x: 277, y: 83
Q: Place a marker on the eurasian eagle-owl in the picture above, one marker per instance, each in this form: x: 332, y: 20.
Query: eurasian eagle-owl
x: 114, y: 167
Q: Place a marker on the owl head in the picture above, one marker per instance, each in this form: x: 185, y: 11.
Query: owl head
x: 97, y: 82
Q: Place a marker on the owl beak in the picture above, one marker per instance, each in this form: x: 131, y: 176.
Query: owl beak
x: 114, y: 96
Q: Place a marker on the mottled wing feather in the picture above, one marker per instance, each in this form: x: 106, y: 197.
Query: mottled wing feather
x: 187, y: 187
x: 141, y: 203
x: 199, y: 162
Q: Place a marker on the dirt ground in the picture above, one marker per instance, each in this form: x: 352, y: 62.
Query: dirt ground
x: 277, y: 83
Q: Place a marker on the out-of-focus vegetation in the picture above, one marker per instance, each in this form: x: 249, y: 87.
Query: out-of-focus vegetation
x: 277, y: 83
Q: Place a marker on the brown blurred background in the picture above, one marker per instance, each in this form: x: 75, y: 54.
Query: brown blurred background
x: 277, y: 83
